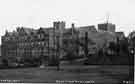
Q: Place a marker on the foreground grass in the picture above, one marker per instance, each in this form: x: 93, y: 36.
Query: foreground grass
x: 98, y: 74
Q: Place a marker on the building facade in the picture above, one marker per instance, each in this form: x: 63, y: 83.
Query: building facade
x: 49, y: 43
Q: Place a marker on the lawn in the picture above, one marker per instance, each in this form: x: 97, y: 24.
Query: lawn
x: 98, y: 74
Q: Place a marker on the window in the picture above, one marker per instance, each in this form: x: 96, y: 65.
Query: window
x: 39, y: 36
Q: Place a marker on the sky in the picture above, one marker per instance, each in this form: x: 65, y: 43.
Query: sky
x: 42, y: 13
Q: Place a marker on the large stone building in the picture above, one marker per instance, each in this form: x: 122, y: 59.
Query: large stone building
x: 27, y: 42
x: 51, y: 43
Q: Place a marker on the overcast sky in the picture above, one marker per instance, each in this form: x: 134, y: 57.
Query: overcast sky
x: 36, y: 13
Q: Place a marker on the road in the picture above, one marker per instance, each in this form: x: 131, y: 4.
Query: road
x: 98, y: 74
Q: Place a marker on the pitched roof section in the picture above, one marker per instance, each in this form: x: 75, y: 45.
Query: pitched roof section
x: 119, y: 34
x: 28, y: 30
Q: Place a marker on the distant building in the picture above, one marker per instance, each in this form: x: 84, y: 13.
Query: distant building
x: 106, y: 27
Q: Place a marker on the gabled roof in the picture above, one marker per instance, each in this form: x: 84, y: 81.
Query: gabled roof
x: 46, y: 29
x: 28, y: 30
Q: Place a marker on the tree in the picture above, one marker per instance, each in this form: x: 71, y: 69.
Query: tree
x: 5, y: 62
x: 84, y: 43
x: 131, y: 38
x: 70, y: 48
x: 124, y: 46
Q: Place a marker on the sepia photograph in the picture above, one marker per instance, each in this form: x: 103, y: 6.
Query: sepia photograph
x: 67, y: 41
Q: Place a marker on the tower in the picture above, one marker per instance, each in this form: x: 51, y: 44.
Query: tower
x: 59, y: 25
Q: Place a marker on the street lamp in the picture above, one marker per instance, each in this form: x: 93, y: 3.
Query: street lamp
x: 131, y: 64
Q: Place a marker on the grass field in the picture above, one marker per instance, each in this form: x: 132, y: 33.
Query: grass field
x: 98, y: 74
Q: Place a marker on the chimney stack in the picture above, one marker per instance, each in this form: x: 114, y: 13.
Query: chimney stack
x: 73, y: 28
